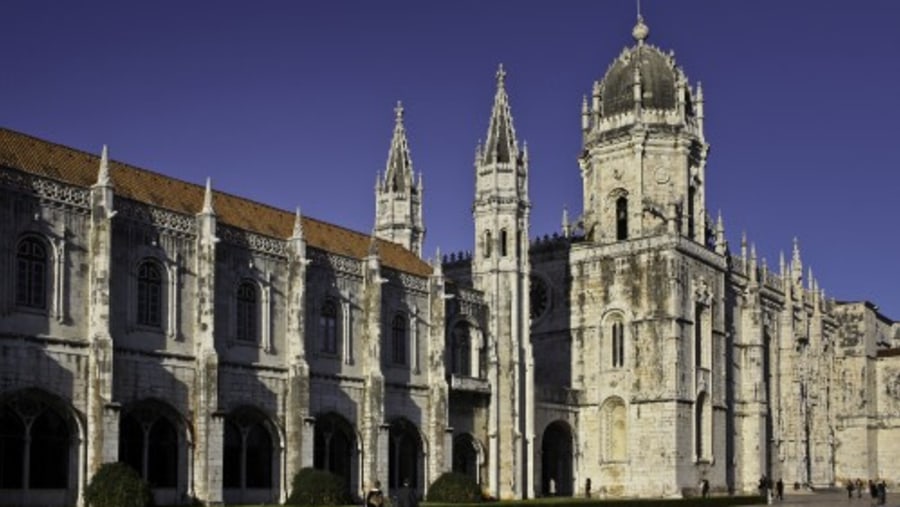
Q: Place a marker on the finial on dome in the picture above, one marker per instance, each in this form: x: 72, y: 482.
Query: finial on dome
x: 640, y: 30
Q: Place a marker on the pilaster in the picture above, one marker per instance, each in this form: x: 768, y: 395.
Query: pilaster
x: 374, y: 430
x: 440, y: 456
x: 205, y: 396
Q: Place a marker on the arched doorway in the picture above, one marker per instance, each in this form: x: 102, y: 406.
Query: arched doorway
x: 405, y: 455
x: 335, y: 448
x: 151, y: 440
x: 248, y: 457
x: 556, y: 460
x: 466, y: 456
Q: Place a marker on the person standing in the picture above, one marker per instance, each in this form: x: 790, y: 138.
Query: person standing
x: 779, y: 488
x: 406, y: 497
x: 859, y: 487
x: 374, y: 497
x: 849, y: 489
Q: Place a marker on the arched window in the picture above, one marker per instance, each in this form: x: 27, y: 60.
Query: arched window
x: 248, y: 452
x: 618, y: 344
x: 622, y: 218
x: 488, y: 244
x: 461, y: 352
x: 149, y: 296
x: 148, y: 442
x: 398, y: 339
x: 328, y: 327
x: 33, y: 455
x: 31, y: 273
x: 247, y: 307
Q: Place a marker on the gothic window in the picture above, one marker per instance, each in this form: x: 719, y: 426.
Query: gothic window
x: 328, y: 327
x: 460, y: 359
x: 622, y: 218
x: 149, y: 296
x: 488, y: 243
x: 148, y: 442
x: 35, y: 455
x: 618, y: 344
x: 247, y: 452
x: 503, y: 245
x: 539, y: 297
x: 398, y: 340
x: 31, y: 273
x: 247, y: 308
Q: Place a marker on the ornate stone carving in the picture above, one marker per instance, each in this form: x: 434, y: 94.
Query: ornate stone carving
x: 336, y: 262
x: 415, y: 283
x: 158, y: 217
x: 46, y: 188
x: 892, y: 384
x: 252, y: 241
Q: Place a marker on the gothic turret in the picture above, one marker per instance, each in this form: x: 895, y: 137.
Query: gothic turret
x: 501, y: 269
x: 644, y: 151
x: 398, y: 197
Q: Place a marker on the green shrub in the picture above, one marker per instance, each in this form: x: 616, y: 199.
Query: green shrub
x: 452, y: 487
x: 318, y: 487
x: 117, y: 485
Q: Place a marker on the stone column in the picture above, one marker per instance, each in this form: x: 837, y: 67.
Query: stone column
x: 299, y: 426
x: 374, y: 431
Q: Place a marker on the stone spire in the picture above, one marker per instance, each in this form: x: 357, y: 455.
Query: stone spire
x: 501, y: 135
x: 721, y: 245
x: 398, y: 176
x: 398, y: 198
x: 208, y: 198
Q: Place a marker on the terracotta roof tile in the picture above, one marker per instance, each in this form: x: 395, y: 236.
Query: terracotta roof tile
x: 51, y: 160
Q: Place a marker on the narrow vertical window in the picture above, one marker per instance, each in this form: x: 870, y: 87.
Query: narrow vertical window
x: 690, y: 211
x: 503, y: 243
x: 31, y: 274
x: 488, y: 243
x: 698, y: 335
x: 461, y: 350
x: 618, y: 344
x: 328, y: 327
x: 149, y: 296
x: 622, y: 218
x: 247, y: 306
x: 398, y: 341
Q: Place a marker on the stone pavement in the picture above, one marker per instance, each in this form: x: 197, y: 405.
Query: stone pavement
x: 832, y: 499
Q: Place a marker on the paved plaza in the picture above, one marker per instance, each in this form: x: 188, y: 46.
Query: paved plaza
x: 832, y: 498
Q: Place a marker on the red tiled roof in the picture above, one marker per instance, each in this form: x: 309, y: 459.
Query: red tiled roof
x: 68, y: 165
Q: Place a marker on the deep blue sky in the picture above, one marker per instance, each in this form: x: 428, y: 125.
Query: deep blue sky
x: 292, y: 103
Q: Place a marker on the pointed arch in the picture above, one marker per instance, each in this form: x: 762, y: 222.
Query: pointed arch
x: 247, y: 311
x: 557, y: 459
x: 153, y: 439
x: 336, y: 447
x: 250, y: 454
x: 406, y: 450
x: 468, y: 456
x: 149, y: 296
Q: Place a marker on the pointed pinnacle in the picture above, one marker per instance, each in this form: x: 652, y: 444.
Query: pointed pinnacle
x: 208, y: 197
x: 103, y: 173
x: 398, y: 111
x: 501, y: 75
x: 298, y: 224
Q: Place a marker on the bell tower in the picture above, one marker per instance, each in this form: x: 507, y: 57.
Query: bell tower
x: 643, y: 165
x: 398, y: 199
x: 500, y: 268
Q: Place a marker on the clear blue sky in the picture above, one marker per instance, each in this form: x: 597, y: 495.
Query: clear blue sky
x: 292, y: 103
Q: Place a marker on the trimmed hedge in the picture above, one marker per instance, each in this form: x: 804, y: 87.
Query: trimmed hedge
x: 318, y: 487
x: 117, y: 485
x: 452, y: 487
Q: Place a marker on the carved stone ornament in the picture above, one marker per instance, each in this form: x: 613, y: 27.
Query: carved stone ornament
x: 252, y: 241
x: 892, y: 384
x: 46, y: 189
x: 158, y: 217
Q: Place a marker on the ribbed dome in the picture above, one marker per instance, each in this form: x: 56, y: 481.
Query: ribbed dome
x: 657, y: 81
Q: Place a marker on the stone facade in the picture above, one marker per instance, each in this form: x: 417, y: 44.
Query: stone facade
x: 218, y: 345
